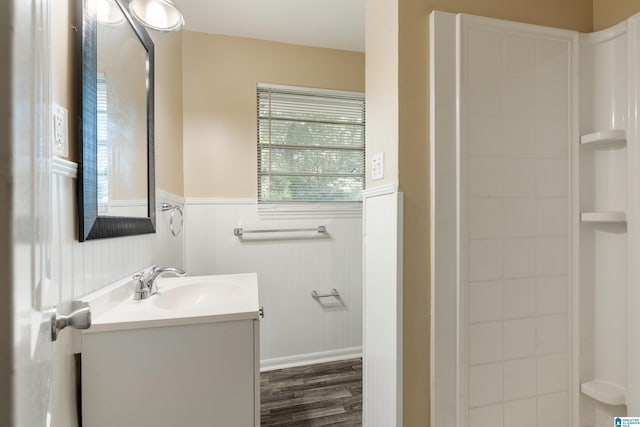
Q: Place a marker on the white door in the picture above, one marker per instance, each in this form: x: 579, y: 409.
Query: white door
x: 27, y: 206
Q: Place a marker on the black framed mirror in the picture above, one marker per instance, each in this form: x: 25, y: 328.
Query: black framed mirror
x: 116, y: 173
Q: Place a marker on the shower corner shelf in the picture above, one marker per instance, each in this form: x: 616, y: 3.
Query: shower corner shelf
x: 619, y: 217
x: 605, y: 392
x: 611, y: 136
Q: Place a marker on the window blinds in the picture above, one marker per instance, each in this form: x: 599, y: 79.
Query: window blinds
x: 102, y: 145
x: 311, y: 146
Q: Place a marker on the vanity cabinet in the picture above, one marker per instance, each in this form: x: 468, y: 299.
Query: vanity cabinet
x: 188, y: 356
x: 204, y: 374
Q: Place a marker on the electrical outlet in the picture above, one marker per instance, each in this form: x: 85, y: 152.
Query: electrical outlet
x: 377, y: 166
x: 60, y: 131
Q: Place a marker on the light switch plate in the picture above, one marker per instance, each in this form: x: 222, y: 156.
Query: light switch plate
x: 377, y: 166
x: 60, y: 131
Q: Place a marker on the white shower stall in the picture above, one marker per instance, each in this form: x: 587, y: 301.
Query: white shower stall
x: 535, y: 202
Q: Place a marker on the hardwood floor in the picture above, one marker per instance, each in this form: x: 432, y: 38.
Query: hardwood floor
x: 328, y: 394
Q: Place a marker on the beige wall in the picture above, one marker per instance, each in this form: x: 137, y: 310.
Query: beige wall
x: 168, y: 112
x: 220, y: 75
x: 168, y: 93
x: 412, y: 146
x: 609, y: 12
x: 381, y: 28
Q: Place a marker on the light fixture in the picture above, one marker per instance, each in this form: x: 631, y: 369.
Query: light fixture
x: 108, y: 12
x: 159, y: 15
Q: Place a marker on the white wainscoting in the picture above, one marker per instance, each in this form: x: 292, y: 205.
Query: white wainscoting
x: 382, y: 347
x: 77, y: 269
x: 296, y: 328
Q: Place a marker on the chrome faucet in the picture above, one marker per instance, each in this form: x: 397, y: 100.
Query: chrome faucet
x: 146, y: 282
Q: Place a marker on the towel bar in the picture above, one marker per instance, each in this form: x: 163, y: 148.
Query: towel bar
x: 239, y: 232
x: 333, y: 293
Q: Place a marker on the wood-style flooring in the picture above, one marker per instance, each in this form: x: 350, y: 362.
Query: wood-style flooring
x: 327, y: 394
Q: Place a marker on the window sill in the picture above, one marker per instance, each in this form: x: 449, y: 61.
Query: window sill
x: 310, y: 210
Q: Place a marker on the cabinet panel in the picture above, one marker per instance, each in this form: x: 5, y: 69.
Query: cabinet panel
x: 194, y: 375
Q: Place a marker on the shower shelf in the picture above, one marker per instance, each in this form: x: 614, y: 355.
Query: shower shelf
x: 605, y: 392
x: 603, y: 217
x: 605, y: 137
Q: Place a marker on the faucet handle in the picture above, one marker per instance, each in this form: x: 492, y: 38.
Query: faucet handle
x: 141, y: 290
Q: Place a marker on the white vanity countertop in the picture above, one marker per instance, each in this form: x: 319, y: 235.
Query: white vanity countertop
x: 179, y: 301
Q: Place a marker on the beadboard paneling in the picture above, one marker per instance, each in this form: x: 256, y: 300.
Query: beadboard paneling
x: 289, y: 267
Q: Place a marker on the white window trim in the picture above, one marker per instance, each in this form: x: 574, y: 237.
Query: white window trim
x: 309, y: 90
x: 310, y: 210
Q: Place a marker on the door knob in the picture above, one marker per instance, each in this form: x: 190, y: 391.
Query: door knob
x: 79, y: 317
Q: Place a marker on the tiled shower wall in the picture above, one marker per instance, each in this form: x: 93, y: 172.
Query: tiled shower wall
x: 515, y: 126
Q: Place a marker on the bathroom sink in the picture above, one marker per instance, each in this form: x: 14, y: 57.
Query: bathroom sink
x: 198, y: 296
x: 179, y: 301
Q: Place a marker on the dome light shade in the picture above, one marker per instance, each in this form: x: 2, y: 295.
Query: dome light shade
x: 108, y: 12
x: 159, y: 15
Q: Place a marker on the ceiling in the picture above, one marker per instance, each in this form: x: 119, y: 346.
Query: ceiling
x: 336, y: 24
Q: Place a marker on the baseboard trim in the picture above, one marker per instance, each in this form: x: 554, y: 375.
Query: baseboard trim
x: 310, y: 359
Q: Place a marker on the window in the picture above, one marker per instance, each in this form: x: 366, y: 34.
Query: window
x: 310, y: 145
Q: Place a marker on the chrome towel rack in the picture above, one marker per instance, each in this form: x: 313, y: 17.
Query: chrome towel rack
x: 334, y: 293
x: 239, y: 232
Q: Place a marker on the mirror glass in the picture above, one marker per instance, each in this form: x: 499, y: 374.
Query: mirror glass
x: 121, y: 117
x: 116, y: 183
